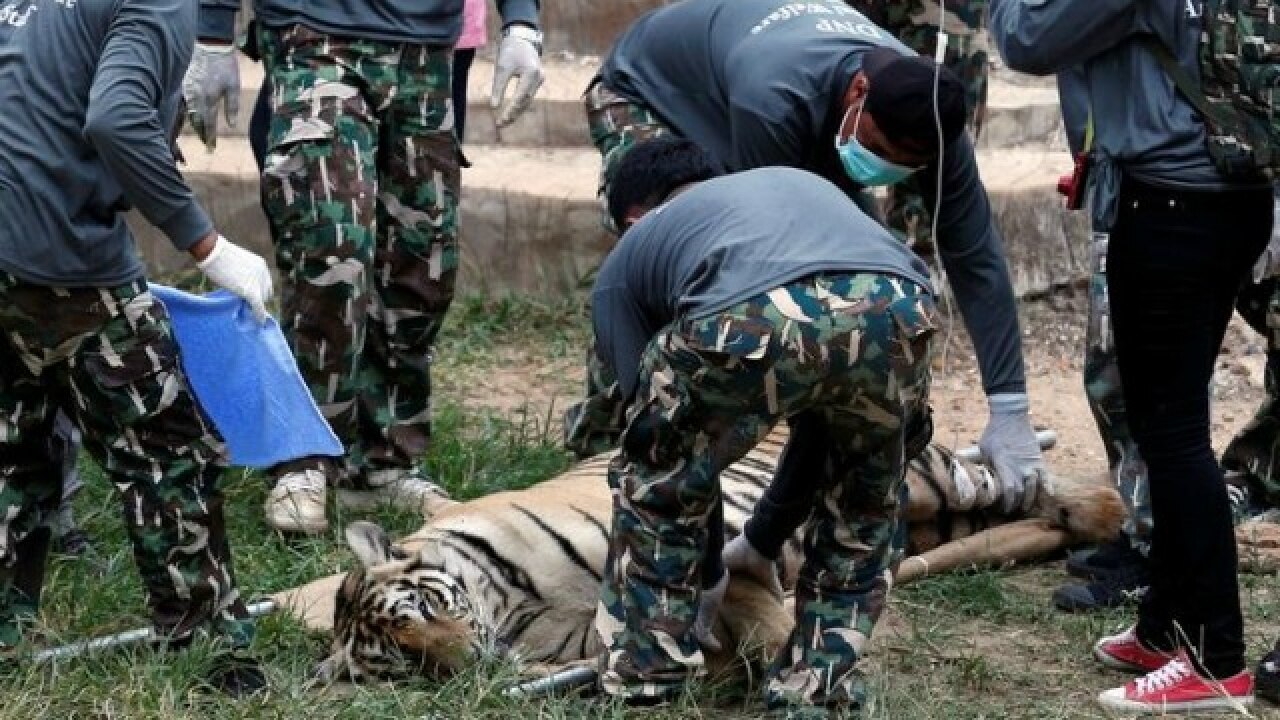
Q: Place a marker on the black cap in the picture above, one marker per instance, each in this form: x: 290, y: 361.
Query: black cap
x: 900, y: 98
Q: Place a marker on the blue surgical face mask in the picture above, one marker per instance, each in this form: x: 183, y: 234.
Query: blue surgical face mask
x: 863, y: 166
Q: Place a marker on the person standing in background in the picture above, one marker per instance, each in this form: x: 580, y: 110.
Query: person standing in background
x: 1185, y: 225
x: 360, y: 184
x: 474, y: 35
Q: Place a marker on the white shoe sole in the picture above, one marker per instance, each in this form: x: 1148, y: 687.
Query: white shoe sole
x: 1118, y: 702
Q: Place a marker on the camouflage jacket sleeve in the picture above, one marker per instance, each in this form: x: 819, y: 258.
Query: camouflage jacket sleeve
x: 519, y: 11
x: 1041, y: 37
x: 973, y: 254
x: 140, y: 68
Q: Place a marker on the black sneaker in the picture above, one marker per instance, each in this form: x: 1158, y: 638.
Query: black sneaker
x: 236, y: 675
x: 1104, y: 561
x: 1107, y: 592
x: 73, y: 543
x: 1247, y: 496
x: 1267, y: 677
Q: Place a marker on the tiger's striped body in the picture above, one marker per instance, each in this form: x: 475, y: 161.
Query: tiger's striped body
x: 519, y: 572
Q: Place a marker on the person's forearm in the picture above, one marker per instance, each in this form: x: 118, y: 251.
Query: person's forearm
x: 972, y: 252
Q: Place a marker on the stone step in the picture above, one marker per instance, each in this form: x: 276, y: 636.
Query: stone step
x: 1020, y: 110
x: 531, y: 222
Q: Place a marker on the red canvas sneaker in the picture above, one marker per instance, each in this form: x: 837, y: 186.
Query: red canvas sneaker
x: 1177, y: 688
x: 1125, y: 652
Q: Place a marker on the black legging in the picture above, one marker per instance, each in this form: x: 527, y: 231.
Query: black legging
x: 260, y: 124
x: 461, y: 69
x: 1175, y: 263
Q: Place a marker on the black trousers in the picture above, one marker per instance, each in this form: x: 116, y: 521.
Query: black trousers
x: 260, y: 124
x: 461, y: 70
x: 1176, y: 262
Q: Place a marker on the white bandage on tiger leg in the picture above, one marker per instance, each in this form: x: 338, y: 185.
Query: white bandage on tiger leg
x: 968, y: 486
x: 988, y: 489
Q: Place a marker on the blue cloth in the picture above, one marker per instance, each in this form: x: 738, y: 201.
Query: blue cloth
x: 247, y: 380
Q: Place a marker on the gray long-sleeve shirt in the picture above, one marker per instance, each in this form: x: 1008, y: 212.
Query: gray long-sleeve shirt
x: 429, y: 22
x: 1142, y: 125
x: 88, y: 89
x: 760, y: 82
x: 723, y: 242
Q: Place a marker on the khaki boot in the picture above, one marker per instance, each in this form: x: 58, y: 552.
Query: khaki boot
x: 297, y: 503
x: 400, y: 487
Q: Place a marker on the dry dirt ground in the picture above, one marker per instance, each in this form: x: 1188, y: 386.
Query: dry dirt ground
x: 523, y: 378
x: 984, y: 645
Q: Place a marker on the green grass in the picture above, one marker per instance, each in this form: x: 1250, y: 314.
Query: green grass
x: 477, y: 325
x: 962, y: 646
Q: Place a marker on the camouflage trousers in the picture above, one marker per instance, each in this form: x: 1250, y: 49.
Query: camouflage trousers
x: 915, y: 23
x: 107, y: 357
x: 1253, y: 453
x: 852, y: 349
x: 1106, y: 401
x: 361, y: 184
x: 616, y: 125
x: 594, y: 424
x: 64, y: 450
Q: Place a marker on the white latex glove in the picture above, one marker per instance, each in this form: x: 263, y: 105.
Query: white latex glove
x: 519, y: 58
x: 242, y: 272
x: 708, y: 608
x: 1268, y: 263
x: 212, y: 77
x: 740, y: 556
x: 1009, y: 448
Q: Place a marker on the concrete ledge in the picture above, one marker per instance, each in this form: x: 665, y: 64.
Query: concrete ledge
x: 1022, y: 111
x: 531, y: 222
x: 1046, y: 245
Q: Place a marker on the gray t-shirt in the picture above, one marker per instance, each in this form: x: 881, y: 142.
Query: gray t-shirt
x: 88, y: 91
x: 428, y: 22
x: 725, y: 241
x: 1153, y: 134
x: 759, y: 82
x: 754, y: 82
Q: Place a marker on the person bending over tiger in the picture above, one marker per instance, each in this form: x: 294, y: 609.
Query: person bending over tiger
x: 731, y: 303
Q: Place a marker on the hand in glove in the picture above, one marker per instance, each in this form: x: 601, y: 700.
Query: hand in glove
x: 212, y: 76
x: 1010, y: 449
x: 741, y: 557
x: 708, y: 608
x: 518, y: 57
x: 242, y: 272
x: 1268, y: 263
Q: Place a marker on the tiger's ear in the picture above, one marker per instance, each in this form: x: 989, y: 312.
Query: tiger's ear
x: 370, y: 544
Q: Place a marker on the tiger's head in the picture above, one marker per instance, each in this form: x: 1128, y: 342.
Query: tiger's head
x: 398, y: 615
